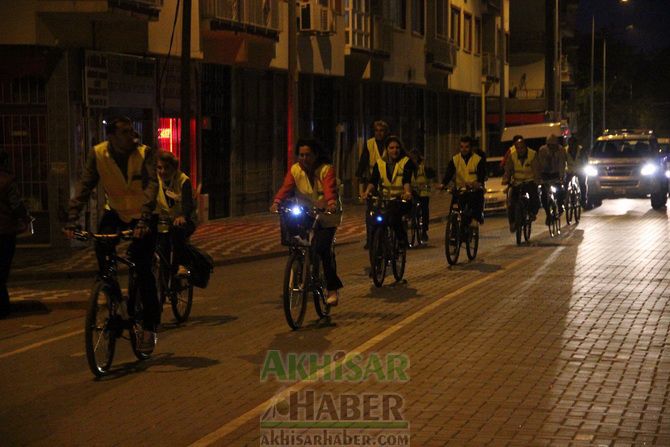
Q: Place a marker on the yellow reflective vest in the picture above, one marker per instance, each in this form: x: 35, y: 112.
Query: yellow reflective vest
x: 523, y: 172
x: 374, y: 153
x: 466, y: 173
x: 309, y: 193
x: 392, y: 187
x: 572, y: 162
x: 173, y: 192
x: 125, y: 195
x: 420, y: 182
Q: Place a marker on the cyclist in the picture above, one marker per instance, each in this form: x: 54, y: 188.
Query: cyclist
x: 576, y: 158
x: 127, y: 172
x: 312, y: 180
x: 551, y: 166
x: 521, y: 174
x: 374, y: 150
x: 421, y: 189
x: 175, y: 200
x: 393, y: 174
x: 469, y: 171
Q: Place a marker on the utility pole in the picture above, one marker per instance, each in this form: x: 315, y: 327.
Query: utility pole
x: 593, y: 57
x: 557, y: 63
x: 185, y: 140
x: 503, y: 52
x: 604, y: 81
x: 292, y: 93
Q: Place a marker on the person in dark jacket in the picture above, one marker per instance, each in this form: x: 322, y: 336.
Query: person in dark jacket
x: 14, y: 219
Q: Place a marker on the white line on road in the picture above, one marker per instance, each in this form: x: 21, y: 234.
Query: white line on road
x: 40, y: 343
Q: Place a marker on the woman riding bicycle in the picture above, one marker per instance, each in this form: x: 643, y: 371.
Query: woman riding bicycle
x: 393, y: 174
x: 175, y: 202
x: 421, y: 189
x: 312, y: 180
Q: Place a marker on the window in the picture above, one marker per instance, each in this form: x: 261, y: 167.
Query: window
x: 395, y: 11
x: 467, y: 32
x: 478, y: 35
x: 441, y: 18
x: 418, y: 24
x: 507, y: 48
x: 455, y: 30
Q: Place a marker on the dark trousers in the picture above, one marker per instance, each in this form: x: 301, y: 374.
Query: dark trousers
x: 323, y: 245
x: 476, y: 201
x: 397, y: 210
x: 559, y: 195
x: 7, y: 249
x: 178, y: 238
x: 424, y: 202
x: 141, y: 252
x: 533, y: 195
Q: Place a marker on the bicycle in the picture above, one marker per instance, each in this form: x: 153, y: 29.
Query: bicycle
x: 177, y: 289
x: 458, y: 229
x: 554, y: 217
x: 416, y: 223
x: 523, y: 218
x: 573, y: 201
x: 110, y: 311
x: 385, y: 247
x: 303, y: 272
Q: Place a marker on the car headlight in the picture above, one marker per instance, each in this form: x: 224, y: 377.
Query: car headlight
x: 667, y: 174
x: 591, y: 171
x: 648, y: 169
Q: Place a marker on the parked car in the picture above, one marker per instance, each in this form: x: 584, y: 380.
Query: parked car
x: 627, y: 163
x: 495, y: 196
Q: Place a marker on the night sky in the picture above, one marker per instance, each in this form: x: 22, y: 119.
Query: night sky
x: 650, y: 20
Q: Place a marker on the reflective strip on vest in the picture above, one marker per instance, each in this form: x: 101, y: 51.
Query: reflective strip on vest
x: 392, y: 186
x: 523, y: 172
x: 304, y: 188
x: 126, y: 197
x: 420, y: 182
x: 373, y: 153
x: 173, y: 192
x: 466, y: 173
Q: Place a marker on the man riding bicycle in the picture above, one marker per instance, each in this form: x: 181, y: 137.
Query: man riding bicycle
x: 127, y: 172
x: 469, y: 172
x: 521, y: 174
x: 374, y: 150
x: 312, y: 180
x: 576, y: 158
x: 393, y: 175
x: 175, y: 201
x: 551, y: 166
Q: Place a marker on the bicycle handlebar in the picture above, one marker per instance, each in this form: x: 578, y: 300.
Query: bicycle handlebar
x: 83, y: 235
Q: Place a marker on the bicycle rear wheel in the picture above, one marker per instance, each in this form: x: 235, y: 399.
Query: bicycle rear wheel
x: 399, y: 257
x: 101, y: 329
x: 578, y: 209
x: 378, y: 256
x: 319, y: 290
x: 452, y: 238
x: 527, y: 228
x: 295, y: 290
x: 472, y: 243
x: 181, y: 298
x: 518, y: 222
x: 136, y: 319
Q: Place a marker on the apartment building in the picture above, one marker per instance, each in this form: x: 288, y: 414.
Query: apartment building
x: 421, y: 65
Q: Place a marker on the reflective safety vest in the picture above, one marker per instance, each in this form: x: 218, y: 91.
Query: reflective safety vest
x: 392, y: 187
x: 523, y: 172
x: 304, y: 190
x: 572, y: 162
x: 126, y: 197
x: 420, y: 182
x: 374, y: 153
x: 172, y: 192
x: 466, y: 173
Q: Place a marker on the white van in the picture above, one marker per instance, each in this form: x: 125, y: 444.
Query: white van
x: 534, y: 134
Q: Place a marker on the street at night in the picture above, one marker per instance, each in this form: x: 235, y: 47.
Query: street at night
x: 561, y: 342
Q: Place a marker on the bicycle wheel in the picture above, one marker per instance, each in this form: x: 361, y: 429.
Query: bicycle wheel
x: 399, y: 258
x: 100, y: 331
x: 578, y: 209
x: 452, y: 238
x: 295, y: 290
x: 472, y: 242
x: 569, y: 208
x: 378, y: 256
x: 318, y: 290
x: 518, y: 221
x: 181, y: 298
x: 414, y: 231
x: 136, y: 320
x: 527, y: 228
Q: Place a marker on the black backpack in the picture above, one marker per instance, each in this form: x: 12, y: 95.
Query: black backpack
x: 201, y: 266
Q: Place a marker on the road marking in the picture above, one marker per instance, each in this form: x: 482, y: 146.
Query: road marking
x: 40, y: 343
x: 255, y: 412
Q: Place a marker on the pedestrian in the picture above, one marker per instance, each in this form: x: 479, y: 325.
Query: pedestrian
x: 14, y: 219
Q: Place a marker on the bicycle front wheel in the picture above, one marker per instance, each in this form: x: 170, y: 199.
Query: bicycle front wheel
x: 472, y: 243
x: 295, y: 290
x: 519, y: 222
x: 100, y: 331
x: 181, y: 298
x: 378, y: 256
x: 452, y: 238
x: 319, y: 290
x: 399, y: 258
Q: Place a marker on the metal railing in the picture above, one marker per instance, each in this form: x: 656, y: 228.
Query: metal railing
x: 442, y: 53
x: 257, y: 13
x: 490, y: 65
x: 357, y: 27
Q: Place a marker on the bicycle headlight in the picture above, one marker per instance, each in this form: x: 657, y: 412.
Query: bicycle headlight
x: 648, y: 169
x: 296, y: 210
x: 380, y: 218
x: 590, y: 171
x: 553, y: 189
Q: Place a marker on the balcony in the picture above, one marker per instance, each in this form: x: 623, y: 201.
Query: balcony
x: 441, y: 54
x: 141, y: 8
x: 382, y: 37
x: 248, y: 16
x: 491, y: 66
